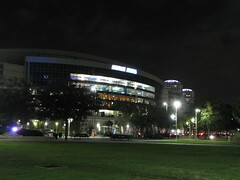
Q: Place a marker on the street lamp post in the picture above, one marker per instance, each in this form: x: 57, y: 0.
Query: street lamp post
x: 166, y: 105
x: 93, y: 89
x: 69, y: 123
x: 56, y: 123
x: 190, y: 129
x: 196, y: 119
x: 127, y: 128
x: 46, y: 125
x: 176, y: 104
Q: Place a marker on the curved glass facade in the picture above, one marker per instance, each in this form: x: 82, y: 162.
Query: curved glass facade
x: 111, y: 84
x: 115, y: 89
x: 111, y: 80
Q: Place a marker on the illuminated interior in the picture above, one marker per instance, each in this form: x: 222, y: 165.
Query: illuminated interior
x: 116, y: 89
x: 112, y: 81
x: 112, y: 97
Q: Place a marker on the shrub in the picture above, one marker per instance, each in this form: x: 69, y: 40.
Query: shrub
x: 236, y: 138
x: 27, y: 132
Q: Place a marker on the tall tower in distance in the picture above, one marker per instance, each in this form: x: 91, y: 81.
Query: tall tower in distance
x: 172, y: 91
x: 188, y: 95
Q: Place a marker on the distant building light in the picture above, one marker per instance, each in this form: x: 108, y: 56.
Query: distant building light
x: 186, y: 90
x: 171, y: 81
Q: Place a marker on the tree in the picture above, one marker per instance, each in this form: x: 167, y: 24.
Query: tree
x: 151, y: 120
x: 236, y: 111
x: 225, y: 120
x: 16, y: 103
x: 139, y: 121
x: 217, y: 117
x: 127, y: 110
x: 208, y: 118
x: 158, y: 118
x: 145, y: 118
x: 64, y: 102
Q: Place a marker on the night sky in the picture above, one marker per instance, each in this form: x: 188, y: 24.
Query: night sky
x: 194, y: 41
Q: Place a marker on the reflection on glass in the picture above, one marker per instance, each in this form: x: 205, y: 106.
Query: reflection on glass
x: 110, y: 80
x: 116, y: 89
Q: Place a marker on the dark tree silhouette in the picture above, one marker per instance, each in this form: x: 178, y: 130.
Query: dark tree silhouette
x: 64, y: 102
x: 236, y: 111
x: 16, y: 103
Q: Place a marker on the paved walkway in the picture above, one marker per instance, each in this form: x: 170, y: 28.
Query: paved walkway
x: 104, y: 140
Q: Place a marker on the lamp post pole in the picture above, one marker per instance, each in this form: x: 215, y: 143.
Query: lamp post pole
x: 93, y: 89
x: 196, y: 123
x: 190, y: 130
x: 177, y: 105
x: 166, y: 105
x: 176, y: 124
x: 69, y: 124
x: 56, y: 123
x: 192, y: 121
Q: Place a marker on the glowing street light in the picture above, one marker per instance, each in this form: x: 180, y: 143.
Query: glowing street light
x: 192, y: 120
x: 127, y: 128
x: 173, y: 117
x: 211, y: 137
x: 46, y: 124
x: 189, y: 125
x: 69, y: 123
x: 14, y: 129
x: 98, y: 126
x: 56, y: 123
x: 196, y: 119
x: 176, y: 104
x: 190, y: 128
x: 166, y: 105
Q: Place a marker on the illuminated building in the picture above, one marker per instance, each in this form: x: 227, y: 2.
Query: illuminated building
x: 172, y: 91
x: 188, y: 95
x: 111, y: 80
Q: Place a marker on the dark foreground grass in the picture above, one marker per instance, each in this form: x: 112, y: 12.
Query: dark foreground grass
x: 117, y: 161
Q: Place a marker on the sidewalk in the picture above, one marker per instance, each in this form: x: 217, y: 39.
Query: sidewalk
x: 100, y: 139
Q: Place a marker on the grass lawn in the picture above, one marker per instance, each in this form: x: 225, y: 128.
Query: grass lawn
x: 101, y: 161
x: 192, y: 141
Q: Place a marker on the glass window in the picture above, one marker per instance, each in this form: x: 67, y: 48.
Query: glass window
x: 140, y: 93
x: 110, y: 80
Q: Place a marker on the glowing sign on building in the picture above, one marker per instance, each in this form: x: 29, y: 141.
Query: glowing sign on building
x: 118, y: 68
x: 124, y: 69
x: 131, y: 70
